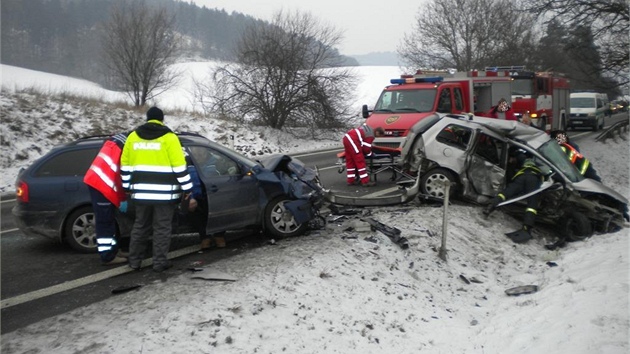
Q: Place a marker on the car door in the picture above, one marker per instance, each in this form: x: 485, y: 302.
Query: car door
x: 485, y: 165
x: 232, y: 194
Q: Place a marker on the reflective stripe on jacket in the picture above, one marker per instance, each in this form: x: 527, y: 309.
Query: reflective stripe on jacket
x: 104, y: 172
x: 154, y: 169
x: 576, y: 157
x: 361, y: 139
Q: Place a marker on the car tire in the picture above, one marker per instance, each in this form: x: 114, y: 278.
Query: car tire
x: 80, y: 230
x: 279, y: 222
x: 596, y: 125
x: 432, y: 183
x: 575, y: 226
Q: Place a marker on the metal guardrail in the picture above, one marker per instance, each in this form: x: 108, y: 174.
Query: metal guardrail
x: 614, y: 130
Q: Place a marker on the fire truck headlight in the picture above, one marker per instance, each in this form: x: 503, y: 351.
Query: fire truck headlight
x: 533, y: 115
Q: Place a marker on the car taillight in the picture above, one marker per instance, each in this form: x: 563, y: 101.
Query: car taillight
x: 21, y: 191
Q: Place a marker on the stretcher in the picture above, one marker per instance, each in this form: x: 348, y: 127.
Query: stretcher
x: 383, y: 159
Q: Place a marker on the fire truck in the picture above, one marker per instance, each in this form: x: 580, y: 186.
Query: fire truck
x: 544, y: 95
x: 410, y: 98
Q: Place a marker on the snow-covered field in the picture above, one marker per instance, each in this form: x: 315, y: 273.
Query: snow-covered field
x: 339, y: 290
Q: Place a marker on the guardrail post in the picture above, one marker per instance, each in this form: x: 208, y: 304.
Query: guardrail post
x: 447, y: 188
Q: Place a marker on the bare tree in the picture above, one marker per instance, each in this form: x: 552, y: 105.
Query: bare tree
x: 469, y: 34
x: 139, y: 45
x: 609, y: 21
x: 286, y: 74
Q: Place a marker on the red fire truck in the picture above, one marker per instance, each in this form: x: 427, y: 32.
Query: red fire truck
x: 544, y: 95
x: 410, y: 98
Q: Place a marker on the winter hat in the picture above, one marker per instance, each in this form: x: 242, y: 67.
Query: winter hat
x: 155, y: 113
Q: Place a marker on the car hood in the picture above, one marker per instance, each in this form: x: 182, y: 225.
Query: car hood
x: 591, y: 186
x: 289, y: 165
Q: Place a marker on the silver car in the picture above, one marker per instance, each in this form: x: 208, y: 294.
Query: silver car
x: 473, y: 152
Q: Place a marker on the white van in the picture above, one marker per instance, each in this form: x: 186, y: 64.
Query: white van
x: 588, y: 109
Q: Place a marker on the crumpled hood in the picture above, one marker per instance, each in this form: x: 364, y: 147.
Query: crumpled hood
x: 592, y: 186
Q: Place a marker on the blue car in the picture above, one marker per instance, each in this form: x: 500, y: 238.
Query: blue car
x: 278, y: 194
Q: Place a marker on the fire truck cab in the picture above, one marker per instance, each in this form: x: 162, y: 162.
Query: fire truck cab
x: 411, y: 98
x: 545, y: 96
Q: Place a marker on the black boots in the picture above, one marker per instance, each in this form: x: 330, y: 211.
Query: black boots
x: 521, y: 235
x: 491, y: 206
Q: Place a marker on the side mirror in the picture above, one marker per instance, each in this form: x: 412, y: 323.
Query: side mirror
x: 365, y: 112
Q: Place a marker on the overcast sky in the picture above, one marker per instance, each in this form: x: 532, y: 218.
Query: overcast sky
x: 368, y: 26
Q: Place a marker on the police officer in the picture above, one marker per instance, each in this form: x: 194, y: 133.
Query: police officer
x: 155, y: 175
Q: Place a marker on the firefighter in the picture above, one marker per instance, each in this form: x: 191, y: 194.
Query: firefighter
x: 502, y: 111
x: 357, y: 143
x: 573, y: 153
x: 107, y: 194
x: 528, y: 178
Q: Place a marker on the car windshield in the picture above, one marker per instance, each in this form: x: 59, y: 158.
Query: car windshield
x: 401, y: 101
x: 554, y: 154
x: 582, y: 102
x: 522, y: 87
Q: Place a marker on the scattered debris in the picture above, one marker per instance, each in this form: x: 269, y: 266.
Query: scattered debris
x: 124, y: 288
x: 520, y: 290
x: 212, y: 274
x: 391, y: 232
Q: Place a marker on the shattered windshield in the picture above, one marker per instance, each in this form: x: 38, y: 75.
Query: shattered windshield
x: 553, y: 153
x: 400, y: 101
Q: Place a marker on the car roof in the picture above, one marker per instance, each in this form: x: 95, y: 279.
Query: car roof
x: 510, y: 129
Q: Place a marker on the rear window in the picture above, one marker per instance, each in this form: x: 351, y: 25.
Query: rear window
x: 67, y: 163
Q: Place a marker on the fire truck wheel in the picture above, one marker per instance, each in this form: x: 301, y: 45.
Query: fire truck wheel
x: 432, y: 183
x: 575, y: 226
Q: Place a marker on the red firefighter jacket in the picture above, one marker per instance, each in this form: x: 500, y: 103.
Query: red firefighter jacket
x: 361, y: 139
x: 104, y: 173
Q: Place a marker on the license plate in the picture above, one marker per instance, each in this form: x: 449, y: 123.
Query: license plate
x: 578, y: 122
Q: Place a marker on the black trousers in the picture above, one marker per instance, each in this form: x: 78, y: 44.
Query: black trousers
x: 523, y: 184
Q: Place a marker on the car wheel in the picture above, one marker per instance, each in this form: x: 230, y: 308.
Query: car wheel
x: 80, y: 231
x: 280, y: 222
x: 432, y: 183
x: 575, y: 226
x: 596, y: 125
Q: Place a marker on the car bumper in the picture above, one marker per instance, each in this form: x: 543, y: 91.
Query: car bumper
x: 581, y: 121
x: 37, y: 223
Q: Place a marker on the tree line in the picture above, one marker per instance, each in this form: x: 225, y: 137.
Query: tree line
x: 280, y: 73
x: 587, y: 40
x: 65, y: 36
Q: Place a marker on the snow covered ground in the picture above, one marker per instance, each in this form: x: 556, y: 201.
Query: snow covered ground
x: 338, y: 290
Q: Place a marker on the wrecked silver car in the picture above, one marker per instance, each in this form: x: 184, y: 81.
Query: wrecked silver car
x: 472, y: 153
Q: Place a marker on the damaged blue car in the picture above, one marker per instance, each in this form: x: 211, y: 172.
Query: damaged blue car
x: 277, y: 194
